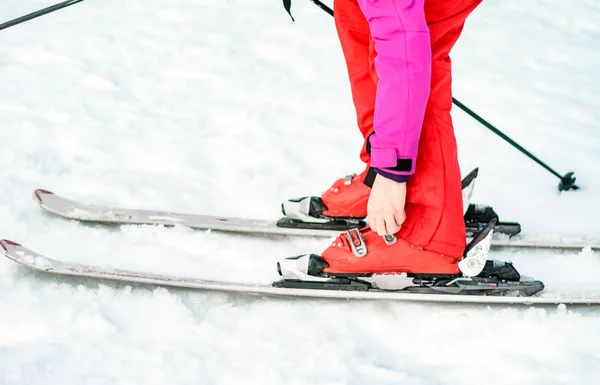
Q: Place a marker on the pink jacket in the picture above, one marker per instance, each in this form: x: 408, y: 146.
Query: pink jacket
x: 403, y: 66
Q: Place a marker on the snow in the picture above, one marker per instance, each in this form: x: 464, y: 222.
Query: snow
x: 227, y: 108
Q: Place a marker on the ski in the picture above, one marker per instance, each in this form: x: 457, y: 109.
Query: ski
x: 39, y: 262
x: 90, y: 213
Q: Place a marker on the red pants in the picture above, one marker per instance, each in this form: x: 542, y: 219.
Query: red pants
x: 434, y: 211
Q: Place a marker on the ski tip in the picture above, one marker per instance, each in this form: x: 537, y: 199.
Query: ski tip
x: 4, y: 242
x: 470, y: 177
x: 37, y: 194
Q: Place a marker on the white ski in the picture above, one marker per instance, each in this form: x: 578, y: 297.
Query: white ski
x: 71, y: 209
x: 39, y: 262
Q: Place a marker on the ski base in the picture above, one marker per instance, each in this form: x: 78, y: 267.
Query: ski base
x: 39, y: 262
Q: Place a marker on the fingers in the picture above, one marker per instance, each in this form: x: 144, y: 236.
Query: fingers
x: 392, y: 227
x: 373, y: 224
x: 385, y: 208
x: 387, y: 224
x: 381, y: 225
x: 400, y: 217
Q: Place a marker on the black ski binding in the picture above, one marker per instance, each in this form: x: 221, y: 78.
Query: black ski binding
x: 478, y: 216
x: 337, y: 283
x: 333, y: 224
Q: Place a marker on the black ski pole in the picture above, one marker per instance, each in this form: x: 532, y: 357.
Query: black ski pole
x: 39, y: 13
x: 567, y: 181
x: 323, y: 7
x: 287, y: 4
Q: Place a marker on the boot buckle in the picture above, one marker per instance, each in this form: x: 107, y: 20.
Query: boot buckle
x: 357, y: 242
x: 390, y: 239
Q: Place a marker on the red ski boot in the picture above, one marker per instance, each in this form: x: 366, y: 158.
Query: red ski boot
x: 342, y: 206
x: 361, y: 253
x: 347, y: 197
x: 364, y: 252
x: 344, y: 203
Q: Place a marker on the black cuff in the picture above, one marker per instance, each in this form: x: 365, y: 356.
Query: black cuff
x: 370, y: 177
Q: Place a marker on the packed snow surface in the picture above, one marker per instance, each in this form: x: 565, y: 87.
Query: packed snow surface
x: 228, y: 108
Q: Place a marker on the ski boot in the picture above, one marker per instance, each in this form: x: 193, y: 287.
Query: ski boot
x: 342, y: 206
x: 362, y: 253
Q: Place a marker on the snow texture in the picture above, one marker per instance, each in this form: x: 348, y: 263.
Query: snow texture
x: 226, y: 107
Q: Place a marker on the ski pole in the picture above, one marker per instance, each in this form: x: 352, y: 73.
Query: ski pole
x: 567, y: 181
x: 287, y: 4
x: 39, y: 13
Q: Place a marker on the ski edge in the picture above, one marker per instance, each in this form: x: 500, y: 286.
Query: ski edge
x: 39, y: 262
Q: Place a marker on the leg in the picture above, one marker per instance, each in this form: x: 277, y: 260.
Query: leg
x: 434, y: 199
x: 432, y: 239
x: 357, y: 46
x: 348, y: 198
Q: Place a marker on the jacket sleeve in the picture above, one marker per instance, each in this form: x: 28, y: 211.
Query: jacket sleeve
x: 403, y: 66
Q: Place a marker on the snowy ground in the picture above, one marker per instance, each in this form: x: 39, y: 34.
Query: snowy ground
x: 226, y: 107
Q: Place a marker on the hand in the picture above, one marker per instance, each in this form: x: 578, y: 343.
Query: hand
x: 385, y: 209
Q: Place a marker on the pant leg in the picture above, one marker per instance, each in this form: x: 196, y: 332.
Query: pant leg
x: 357, y: 46
x: 434, y: 211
